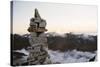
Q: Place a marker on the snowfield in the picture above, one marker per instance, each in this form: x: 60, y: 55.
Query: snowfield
x: 73, y: 56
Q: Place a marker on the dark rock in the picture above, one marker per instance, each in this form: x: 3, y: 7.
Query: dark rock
x: 92, y: 59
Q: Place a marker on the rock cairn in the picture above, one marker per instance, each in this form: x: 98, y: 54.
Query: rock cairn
x: 38, y: 50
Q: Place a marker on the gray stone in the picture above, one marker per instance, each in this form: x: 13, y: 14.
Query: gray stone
x: 38, y: 51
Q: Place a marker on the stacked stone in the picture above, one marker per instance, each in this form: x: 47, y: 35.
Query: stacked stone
x: 38, y: 52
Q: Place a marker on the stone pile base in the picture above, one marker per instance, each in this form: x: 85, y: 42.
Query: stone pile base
x: 38, y: 52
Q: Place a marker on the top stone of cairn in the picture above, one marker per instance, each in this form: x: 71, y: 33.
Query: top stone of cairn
x: 37, y: 24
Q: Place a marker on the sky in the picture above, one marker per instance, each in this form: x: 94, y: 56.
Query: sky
x: 60, y: 18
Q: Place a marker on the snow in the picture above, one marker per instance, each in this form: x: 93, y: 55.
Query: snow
x: 23, y: 51
x: 73, y: 56
x: 91, y: 33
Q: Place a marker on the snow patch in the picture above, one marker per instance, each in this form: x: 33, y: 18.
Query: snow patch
x: 70, y: 56
x: 23, y: 51
x: 73, y: 56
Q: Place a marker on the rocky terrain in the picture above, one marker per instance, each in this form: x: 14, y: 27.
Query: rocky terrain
x: 65, y: 42
x: 67, y: 48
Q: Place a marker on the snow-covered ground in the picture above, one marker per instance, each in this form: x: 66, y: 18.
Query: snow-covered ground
x: 73, y: 56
